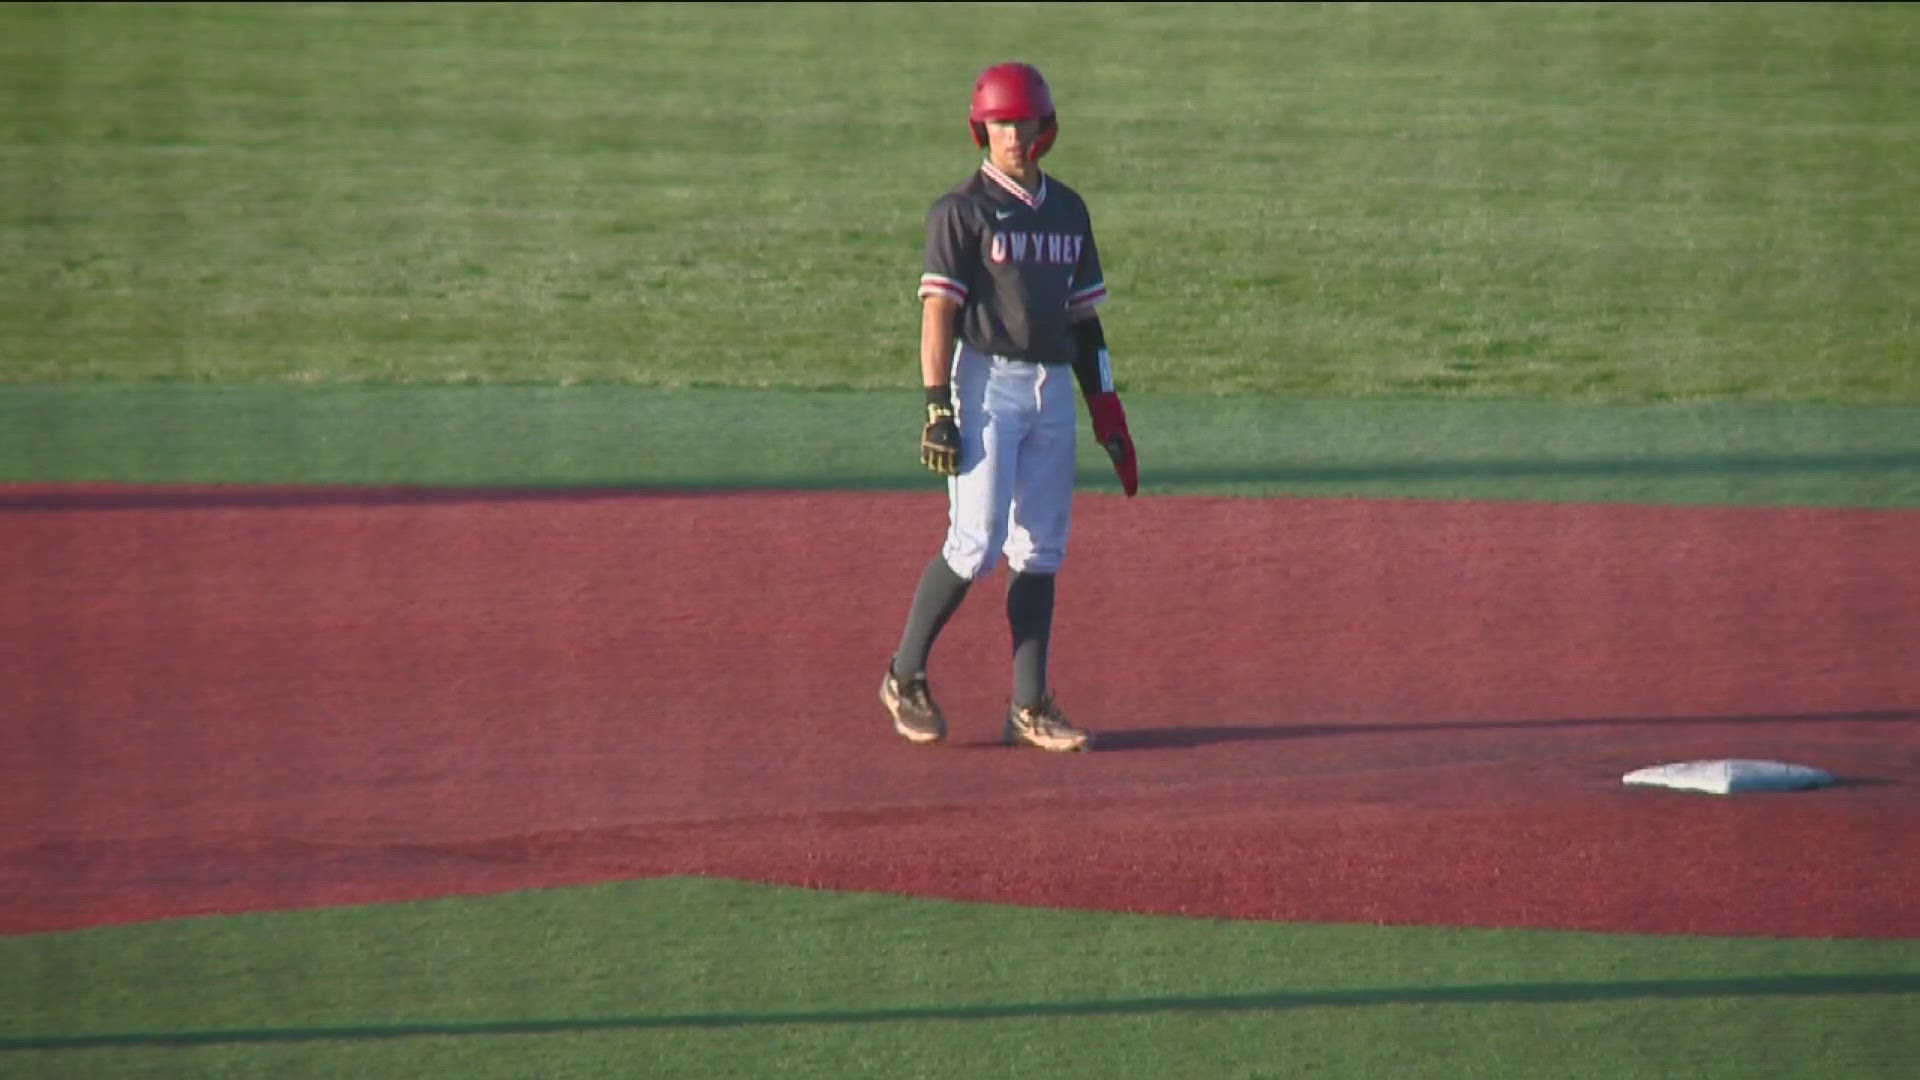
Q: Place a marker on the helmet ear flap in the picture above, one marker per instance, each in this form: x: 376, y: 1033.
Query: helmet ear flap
x: 1049, y: 128
x: 979, y: 134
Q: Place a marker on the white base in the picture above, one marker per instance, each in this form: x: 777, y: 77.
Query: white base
x: 1729, y: 776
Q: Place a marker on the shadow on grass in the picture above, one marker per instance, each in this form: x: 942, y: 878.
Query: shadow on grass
x: 1190, y: 738
x: 1895, y: 474
x: 1489, y: 994
x: 1571, y: 468
x: 44, y: 498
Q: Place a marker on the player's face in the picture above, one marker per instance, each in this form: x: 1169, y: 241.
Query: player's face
x: 1010, y: 144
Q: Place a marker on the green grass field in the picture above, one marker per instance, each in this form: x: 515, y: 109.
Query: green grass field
x: 1576, y: 201
x: 1643, y: 252
x: 691, y: 978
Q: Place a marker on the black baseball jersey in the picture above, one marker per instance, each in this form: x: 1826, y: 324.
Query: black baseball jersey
x: 1018, y: 262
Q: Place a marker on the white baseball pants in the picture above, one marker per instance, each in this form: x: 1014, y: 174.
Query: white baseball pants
x: 1014, y: 493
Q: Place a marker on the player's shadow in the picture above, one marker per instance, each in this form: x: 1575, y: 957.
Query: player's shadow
x: 1188, y: 738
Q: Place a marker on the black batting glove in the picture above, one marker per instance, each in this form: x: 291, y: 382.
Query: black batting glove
x: 940, y: 440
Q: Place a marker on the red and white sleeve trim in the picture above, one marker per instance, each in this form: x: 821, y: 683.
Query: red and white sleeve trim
x: 940, y: 285
x: 1084, y: 300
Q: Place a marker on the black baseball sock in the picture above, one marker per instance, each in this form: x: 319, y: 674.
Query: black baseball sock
x: 935, y: 600
x: 1030, y: 618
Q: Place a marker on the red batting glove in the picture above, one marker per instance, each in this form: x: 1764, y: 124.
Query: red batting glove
x: 1110, y: 428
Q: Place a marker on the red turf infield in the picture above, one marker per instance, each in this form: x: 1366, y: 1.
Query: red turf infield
x: 1397, y: 712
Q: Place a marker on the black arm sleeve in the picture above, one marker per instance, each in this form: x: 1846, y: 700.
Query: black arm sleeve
x: 1090, y: 358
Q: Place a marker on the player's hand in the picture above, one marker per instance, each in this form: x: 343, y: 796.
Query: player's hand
x: 1110, y: 428
x: 940, y: 441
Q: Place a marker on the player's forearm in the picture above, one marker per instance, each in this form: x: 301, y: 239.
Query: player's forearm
x: 1090, y: 365
x: 938, y: 316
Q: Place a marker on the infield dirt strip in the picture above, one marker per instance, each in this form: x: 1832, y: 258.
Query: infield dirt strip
x: 223, y: 699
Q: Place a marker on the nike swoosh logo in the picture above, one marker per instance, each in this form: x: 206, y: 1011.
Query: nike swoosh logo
x: 1002, y: 215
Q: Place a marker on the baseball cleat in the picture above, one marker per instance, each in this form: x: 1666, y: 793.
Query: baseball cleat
x: 1044, y: 726
x: 910, y: 702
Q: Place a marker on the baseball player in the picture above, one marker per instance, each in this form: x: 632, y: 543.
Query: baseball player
x: 1010, y: 285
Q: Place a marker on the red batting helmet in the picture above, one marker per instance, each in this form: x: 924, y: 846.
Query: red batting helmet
x: 1012, y: 92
